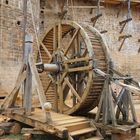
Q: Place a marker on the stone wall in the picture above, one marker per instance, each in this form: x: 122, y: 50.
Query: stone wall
x: 11, y: 50
x: 11, y: 17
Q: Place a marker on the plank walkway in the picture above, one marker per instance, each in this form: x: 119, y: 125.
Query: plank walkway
x: 62, y: 125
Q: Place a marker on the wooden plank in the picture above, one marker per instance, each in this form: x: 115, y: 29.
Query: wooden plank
x: 84, y: 7
x: 82, y: 131
x: 67, y: 122
x: 32, y: 131
x: 55, y: 130
x: 77, y: 126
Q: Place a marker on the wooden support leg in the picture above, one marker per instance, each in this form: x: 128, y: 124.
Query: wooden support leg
x: 112, y: 109
x: 125, y: 100
x: 100, y: 107
x: 37, y: 82
x: 133, y: 112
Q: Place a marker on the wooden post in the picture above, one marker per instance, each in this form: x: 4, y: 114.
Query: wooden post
x: 28, y: 82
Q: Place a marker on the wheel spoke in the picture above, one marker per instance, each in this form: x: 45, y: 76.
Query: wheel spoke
x: 46, y: 50
x: 85, y: 52
x: 48, y: 85
x: 71, y: 41
x: 72, y: 89
x: 59, y: 36
x: 54, y: 38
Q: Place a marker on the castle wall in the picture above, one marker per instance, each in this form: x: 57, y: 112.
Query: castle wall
x: 11, y: 19
x: 11, y: 49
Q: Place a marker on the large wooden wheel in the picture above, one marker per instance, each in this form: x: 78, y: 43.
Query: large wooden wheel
x: 73, y: 50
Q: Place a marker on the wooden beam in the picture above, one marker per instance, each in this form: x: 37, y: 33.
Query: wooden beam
x: 84, y: 7
x: 32, y: 131
x: 118, y: 1
x: 43, y: 126
x: 37, y: 82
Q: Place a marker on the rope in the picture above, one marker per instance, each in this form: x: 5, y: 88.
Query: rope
x: 73, y: 14
x: 98, y: 7
x: 1, y: 11
x: 129, y: 9
x: 36, y: 35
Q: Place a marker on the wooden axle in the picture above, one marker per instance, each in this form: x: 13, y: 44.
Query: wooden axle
x: 51, y: 67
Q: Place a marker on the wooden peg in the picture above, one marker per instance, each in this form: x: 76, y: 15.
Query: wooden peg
x: 124, y: 37
x: 104, y: 31
x: 124, y: 23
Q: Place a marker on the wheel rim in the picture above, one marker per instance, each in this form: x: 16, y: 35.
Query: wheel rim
x: 70, y: 47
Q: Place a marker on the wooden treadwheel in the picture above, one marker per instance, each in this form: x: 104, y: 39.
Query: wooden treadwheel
x: 74, y: 50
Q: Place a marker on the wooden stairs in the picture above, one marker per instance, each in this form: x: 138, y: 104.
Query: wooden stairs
x: 79, y: 128
x: 84, y: 131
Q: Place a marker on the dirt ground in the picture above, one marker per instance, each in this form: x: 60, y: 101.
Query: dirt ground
x: 35, y: 137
